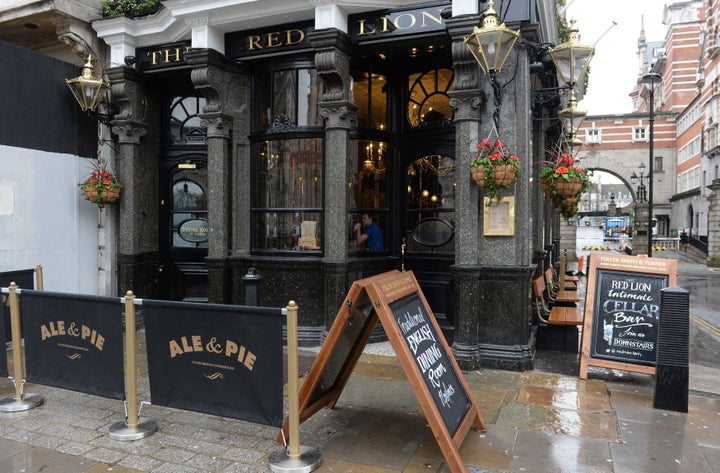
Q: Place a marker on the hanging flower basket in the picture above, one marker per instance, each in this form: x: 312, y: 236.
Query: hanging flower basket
x: 502, y: 174
x: 564, y: 181
x: 101, y: 186
x: 567, y: 206
x: 569, y: 188
x: 494, y: 167
x: 105, y: 196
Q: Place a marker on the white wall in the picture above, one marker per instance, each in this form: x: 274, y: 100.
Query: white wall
x: 44, y: 219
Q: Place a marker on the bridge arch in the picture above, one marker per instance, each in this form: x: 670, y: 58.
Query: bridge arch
x: 609, y: 163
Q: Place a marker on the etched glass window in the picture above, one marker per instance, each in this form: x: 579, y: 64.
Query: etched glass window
x: 185, y: 128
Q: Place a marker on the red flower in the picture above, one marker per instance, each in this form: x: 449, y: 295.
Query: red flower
x: 565, y: 160
x: 561, y: 170
x: 514, y: 158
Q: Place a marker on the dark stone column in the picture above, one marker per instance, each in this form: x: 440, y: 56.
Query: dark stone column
x: 467, y: 100
x: 137, y: 250
x: 333, y: 49
x: 492, y: 273
x: 219, y: 79
x: 505, y: 324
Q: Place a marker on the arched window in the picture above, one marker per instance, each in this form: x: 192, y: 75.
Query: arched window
x: 185, y: 126
x: 428, y: 102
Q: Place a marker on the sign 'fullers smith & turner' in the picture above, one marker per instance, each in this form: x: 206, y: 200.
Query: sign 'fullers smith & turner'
x: 365, y: 27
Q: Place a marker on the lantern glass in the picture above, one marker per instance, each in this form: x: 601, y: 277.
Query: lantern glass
x: 89, y: 91
x: 491, y: 44
x: 491, y: 47
x: 571, y: 58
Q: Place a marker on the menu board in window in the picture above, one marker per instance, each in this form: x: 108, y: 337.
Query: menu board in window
x: 622, y: 311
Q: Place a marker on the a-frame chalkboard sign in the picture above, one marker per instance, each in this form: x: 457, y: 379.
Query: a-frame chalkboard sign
x: 396, y: 299
x: 622, y: 311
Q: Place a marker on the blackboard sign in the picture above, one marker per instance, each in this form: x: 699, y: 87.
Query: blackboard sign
x: 626, y: 316
x: 359, y: 323
x: 397, y: 302
x: 432, y: 362
x: 622, y: 311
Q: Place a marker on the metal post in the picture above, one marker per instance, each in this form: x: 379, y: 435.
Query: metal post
x: 651, y: 79
x: 651, y: 160
x: 295, y: 458
x: 251, y: 282
x: 134, y: 427
x: 21, y: 401
x: 39, y: 278
x: 672, y: 373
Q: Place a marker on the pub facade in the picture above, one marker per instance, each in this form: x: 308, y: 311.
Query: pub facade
x: 252, y: 139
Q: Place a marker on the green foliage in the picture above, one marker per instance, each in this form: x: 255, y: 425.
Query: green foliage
x: 563, y: 30
x: 489, y: 156
x: 130, y: 7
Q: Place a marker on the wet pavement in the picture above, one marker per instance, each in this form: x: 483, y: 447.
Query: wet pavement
x: 545, y: 420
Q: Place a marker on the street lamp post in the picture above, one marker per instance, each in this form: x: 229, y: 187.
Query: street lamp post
x: 651, y: 80
x: 641, y: 196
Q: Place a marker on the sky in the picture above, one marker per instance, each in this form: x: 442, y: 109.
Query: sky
x: 614, y: 68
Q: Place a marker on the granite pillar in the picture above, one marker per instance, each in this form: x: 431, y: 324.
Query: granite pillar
x: 219, y: 80
x: 136, y: 166
x: 491, y: 321
x: 333, y: 49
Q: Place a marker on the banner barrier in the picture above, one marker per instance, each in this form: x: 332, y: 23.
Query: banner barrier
x: 217, y: 359
x: 24, y: 279
x: 74, y: 342
x: 22, y: 401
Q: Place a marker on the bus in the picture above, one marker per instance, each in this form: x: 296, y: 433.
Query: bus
x: 615, y: 227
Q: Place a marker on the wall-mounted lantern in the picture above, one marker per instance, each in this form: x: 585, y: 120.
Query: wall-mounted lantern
x: 90, y: 91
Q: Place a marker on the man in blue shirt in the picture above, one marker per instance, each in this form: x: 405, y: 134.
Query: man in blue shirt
x: 371, y: 236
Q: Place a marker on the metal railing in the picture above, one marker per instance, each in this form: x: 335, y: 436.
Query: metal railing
x: 699, y: 245
x: 660, y: 243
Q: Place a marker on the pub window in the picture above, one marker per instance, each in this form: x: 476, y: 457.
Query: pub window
x: 369, y: 93
x: 431, y: 204
x: 428, y: 102
x: 286, y: 99
x: 288, y: 189
x: 185, y: 128
x: 367, y: 187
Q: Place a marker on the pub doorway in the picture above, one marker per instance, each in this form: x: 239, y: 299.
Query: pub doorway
x: 428, y: 223
x: 184, y: 229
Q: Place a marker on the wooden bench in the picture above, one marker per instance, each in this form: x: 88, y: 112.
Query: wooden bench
x: 553, y: 314
x: 552, y: 288
x: 565, y: 278
x: 559, y: 330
